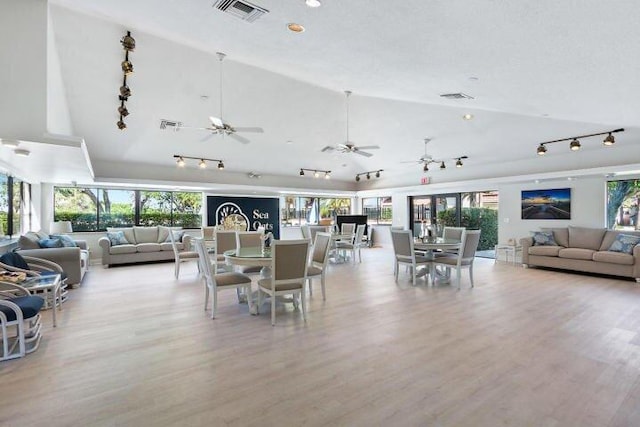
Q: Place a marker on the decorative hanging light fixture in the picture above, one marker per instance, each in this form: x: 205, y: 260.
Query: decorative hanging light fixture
x: 575, y: 144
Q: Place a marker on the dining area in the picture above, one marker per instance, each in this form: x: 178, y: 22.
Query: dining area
x: 435, y: 258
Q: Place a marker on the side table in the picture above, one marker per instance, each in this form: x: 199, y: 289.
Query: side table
x: 509, y: 250
x: 51, y: 289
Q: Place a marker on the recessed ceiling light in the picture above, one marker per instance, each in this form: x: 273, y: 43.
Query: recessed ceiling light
x: 473, y: 79
x: 204, y: 97
x: 313, y: 3
x: 289, y: 142
x: 296, y: 28
x: 468, y: 116
x: 22, y: 152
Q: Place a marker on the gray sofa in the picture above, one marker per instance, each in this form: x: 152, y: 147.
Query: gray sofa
x: 74, y: 261
x: 583, y: 249
x: 144, y: 244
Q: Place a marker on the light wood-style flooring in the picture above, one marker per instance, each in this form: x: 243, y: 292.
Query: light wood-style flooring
x: 525, y: 347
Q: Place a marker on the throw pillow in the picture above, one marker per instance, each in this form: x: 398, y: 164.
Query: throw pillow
x: 543, y: 238
x: 177, y: 236
x: 14, y: 259
x: 67, y: 241
x: 50, y: 243
x: 117, y: 238
x: 624, y: 243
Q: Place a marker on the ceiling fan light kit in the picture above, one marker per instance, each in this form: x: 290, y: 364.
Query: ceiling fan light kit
x: 316, y: 173
x: 575, y: 144
x: 129, y: 44
x: 202, y: 161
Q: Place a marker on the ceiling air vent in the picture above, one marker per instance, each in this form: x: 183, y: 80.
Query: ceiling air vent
x: 240, y: 9
x: 170, y: 124
x: 458, y: 95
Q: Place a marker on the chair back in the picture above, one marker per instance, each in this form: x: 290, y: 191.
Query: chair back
x: 205, y: 263
x: 453, y: 233
x: 306, y: 232
x: 397, y: 227
x: 359, y: 234
x: 174, y: 246
x: 402, y: 244
x: 321, y: 248
x: 318, y: 229
x: 225, y: 241
x: 208, y: 233
x: 249, y: 239
x: 470, y: 244
x: 289, y: 260
x: 348, y: 228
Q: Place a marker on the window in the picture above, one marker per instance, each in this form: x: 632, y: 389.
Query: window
x: 623, y: 198
x: 378, y: 210
x: 4, y: 205
x: 15, y: 206
x: 95, y: 209
x: 297, y: 211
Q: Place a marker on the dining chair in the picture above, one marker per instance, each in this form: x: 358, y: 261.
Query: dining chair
x: 208, y: 233
x: 288, y: 274
x: 213, y: 283
x: 306, y: 232
x: 404, y: 253
x: 355, y: 244
x: 347, y: 228
x: 249, y: 239
x: 225, y: 241
x: 180, y: 256
x: 465, y: 256
x: 451, y: 233
x: 319, y: 261
x: 19, y: 309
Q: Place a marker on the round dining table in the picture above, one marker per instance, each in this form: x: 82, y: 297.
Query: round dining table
x: 252, y: 257
x: 430, y: 244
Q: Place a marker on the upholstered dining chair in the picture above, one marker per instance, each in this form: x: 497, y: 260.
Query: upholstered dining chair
x: 180, y: 255
x: 319, y: 260
x: 213, y: 283
x: 249, y: 239
x: 347, y: 228
x: 404, y: 253
x: 355, y: 244
x: 208, y: 233
x: 19, y: 309
x: 288, y: 274
x: 465, y: 256
x: 225, y: 241
x: 451, y: 233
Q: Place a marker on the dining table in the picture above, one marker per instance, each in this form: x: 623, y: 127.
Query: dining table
x: 428, y: 246
x: 336, y: 258
x: 252, y: 257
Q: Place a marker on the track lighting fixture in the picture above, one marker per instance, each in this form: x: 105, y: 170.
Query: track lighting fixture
x: 316, y: 173
x: 459, y: 162
x: 368, y: 174
x: 425, y: 168
x: 129, y: 44
x: 121, y: 124
x: 123, y: 110
x: 127, y: 67
x: 442, y: 165
x: 202, y: 164
x: 575, y: 144
x: 125, y: 92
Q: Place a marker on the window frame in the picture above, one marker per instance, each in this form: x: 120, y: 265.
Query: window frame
x: 378, y: 211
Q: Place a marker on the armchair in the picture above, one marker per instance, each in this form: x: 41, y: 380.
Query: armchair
x: 21, y: 310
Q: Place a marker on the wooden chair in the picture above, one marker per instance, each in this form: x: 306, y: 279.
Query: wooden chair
x: 288, y: 274
x: 213, y: 283
x: 180, y: 256
x: 465, y: 256
x: 249, y: 239
x: 404, y: 253
x: 355, y: 244
x: 225, y: 241
x: 19, y: 309
x: 319, y: 260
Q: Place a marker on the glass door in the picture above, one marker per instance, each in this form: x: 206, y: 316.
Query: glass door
x: 421, y: 211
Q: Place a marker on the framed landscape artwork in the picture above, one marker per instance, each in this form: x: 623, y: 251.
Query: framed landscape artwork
x: 546, y: 204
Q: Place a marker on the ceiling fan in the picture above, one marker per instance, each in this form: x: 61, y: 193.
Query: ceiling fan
x: 427, y: 159
x: 220, y: 127
x: 349, y: 147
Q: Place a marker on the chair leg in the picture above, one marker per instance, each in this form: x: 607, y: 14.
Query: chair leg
x: 215, y: 303
x: 324, y: 296
x: 206, y: 296
x: 177, y: 269
x: 273, y: 310
x: 471, y: 274
x: 360, y: 255
x: 259, y: 303
x: 310, y: 284
x: 396, y: 267
x: 458, y: 274
x: 303, y: 301
x: 413, y: 272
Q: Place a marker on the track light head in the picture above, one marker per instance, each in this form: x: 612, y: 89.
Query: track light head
x: 127, y: 67
x: 121, y: 124
x: 425, y: 168
x: 609, y: 140
x: 357, y: 177
x: 316, y: 174
x: 202, y: 164
x: 327, y: 175
x: 459, y: 163
x: 542, y: 150
x: 125, y: 92
x: 220, y: 165
x: 442, y: 165
x: 122, y: 110
x: 575, y: 145
x: 301, y: 172
x: 378, y: 174
x: 180, y: 162
x: 368, y: 175
x: 128, y: 42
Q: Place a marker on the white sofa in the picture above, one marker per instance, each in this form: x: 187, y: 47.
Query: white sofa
x: 144, y: 244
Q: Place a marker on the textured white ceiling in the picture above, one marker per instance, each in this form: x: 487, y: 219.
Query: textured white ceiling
x: 545, y: 70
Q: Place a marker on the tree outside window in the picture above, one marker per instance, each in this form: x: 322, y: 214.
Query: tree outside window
x: 623, y: 198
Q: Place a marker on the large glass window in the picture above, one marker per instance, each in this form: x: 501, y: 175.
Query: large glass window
x: 94, y: 209
x: 623, y: 199
x: 297, y: 211
x: 377, y: 209
x: 330, y: 208
x: 15, y: 206
x: 4, y: 205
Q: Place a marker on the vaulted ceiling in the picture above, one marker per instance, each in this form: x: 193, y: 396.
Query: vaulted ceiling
x: 537, y: 71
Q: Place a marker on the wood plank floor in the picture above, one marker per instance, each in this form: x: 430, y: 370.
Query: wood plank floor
x: 525, y: 347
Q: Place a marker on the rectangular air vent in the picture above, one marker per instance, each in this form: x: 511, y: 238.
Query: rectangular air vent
x: 170, y: 124
x: 240, y: 9
x: 458, y: 95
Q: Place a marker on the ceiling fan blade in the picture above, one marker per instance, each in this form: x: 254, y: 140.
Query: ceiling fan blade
x: 249, y: 129
x: 344, y: 147
x: 208, y: 137
x: 368, y: 147
x: 362, y: 153
x: 328, y: 148
x: 239, y: 138
x: 216, y: 121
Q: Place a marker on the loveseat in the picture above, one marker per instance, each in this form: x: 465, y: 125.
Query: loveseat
x: 141, y: 244
x: 74, y: 260
x: 593, y: 250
